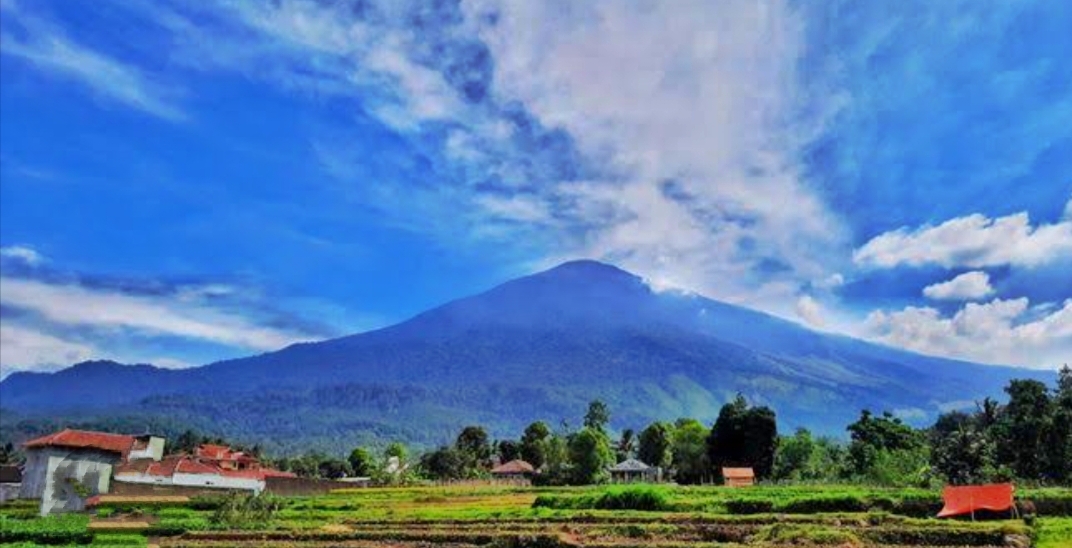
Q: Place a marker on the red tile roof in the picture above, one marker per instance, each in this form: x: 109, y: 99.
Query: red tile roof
x: 116, y: 443
x: 738, y: 473
x: 186, y: 464
x: 219, y: 452
x: 514, y: 467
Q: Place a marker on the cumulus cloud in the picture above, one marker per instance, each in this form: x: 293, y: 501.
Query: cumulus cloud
x: 24, y: 254
x: 50, y: 50
x: 999, y: 332
x: 689, y: 111
x: 974, y: 241
x: 156, y: 315
x: 967, y: 286
x: 32, y: 349
x: 809, y: 310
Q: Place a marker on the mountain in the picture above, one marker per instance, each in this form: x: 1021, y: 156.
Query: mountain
x: 538, y: 347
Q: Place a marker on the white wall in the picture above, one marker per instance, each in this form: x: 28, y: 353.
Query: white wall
x: 53, y: 470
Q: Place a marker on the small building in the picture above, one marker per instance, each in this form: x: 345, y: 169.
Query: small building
x: 211, y: 467
x: 738, y: 477
x: 10, y: 482
x: 635, y: 471
x: 65, y: 468
x: 516, y: 469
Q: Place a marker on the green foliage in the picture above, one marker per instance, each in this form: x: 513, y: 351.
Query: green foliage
x: 590, y: 456
x: 331, y: 468
x: 1022, y: 426
x: 361, y: 462
x: 241, y: 511
x: 689, y: 452
x: 598, y: 416
x: 886, y: 451
x: 52, y: 530
x: 473, y: 447
x: 508, y: 450
x: 626, y: 446
x: 744, y: 436
x: 533, y: 443
x: 445, y: 463
x: 801, y: 457
x: 655, y: 441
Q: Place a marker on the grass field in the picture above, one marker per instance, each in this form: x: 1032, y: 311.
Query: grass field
x: 462, y: 517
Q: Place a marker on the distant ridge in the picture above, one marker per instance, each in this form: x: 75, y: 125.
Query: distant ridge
x: 537, y: 347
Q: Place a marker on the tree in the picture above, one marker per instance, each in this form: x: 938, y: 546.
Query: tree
x: 1022, y: 427
x: 556, y: 466
x: 597, y: 417
x: 445, y: 463
x: 475, y: 449
x: 333, y: 468
x: 1058, y: 437
x: 361, y: 462
x: 397, y: 450
x: 591, y: 456
x: 187, y: 442
x: 508, y: 450
x: 744, y: 436
x: 626, y: 446
x: 654, y: 446
x: 689, y: 453
x: 794, y: 455
x: 885, y: 450
x: 7, y: 454
x: 533, y: 443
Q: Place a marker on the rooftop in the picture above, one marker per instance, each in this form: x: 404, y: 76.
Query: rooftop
x: 516, y: 466
x: 630, y: 465
x: 83, y: 439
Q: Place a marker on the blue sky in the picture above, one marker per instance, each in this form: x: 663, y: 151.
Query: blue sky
x: 188, y: 181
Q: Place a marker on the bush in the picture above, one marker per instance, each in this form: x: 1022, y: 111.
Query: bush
x: 646, y: 498
x: 749, y: 506
x: 246, y: 511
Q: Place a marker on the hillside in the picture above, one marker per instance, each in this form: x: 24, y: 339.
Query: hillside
x: 537, y: 347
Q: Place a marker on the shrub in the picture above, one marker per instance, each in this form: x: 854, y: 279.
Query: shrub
x: 646, y: 498
x: 240, y: 511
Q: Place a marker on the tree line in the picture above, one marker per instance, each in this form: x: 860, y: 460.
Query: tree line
x: 1027, y: 439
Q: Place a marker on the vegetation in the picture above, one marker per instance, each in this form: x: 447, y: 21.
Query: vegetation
x: 609, y: 516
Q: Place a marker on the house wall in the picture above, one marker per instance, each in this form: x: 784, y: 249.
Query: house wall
x: 9, y: 491
x: 306, y: 486
x: 149, y: 489
x: 222, y: 482
x: 33, y: 474
x: 154, y: 450
x: 52, y: 472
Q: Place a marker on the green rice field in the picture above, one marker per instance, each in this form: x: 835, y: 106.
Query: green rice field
x: 494, y: 517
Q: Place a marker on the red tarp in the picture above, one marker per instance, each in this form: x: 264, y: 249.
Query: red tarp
x: 970, y: 498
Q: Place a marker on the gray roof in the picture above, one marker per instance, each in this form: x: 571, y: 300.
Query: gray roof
x: 630, y: 465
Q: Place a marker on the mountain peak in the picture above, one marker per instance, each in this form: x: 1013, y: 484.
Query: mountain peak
x: 590, y: 270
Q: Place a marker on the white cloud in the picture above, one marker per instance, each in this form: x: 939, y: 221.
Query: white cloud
x: 49, y: 50
x: 699, y: 97
x: 22, y: 253
x: 180, y: 316
x: 999, y: 332
x: 809, y: 310
x: 24, y: 348
x: 967, y: 286
x: 973, y: 241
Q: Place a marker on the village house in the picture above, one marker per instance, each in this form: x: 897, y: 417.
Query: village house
x: 211, y: 467
x: 64, y: 468
x: 10, y: 482
x: 515, y: 470
x: 635, y: 471
x: 738, y: 477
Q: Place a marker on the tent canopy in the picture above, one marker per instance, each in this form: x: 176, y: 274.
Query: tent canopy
x: 970, y: 498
